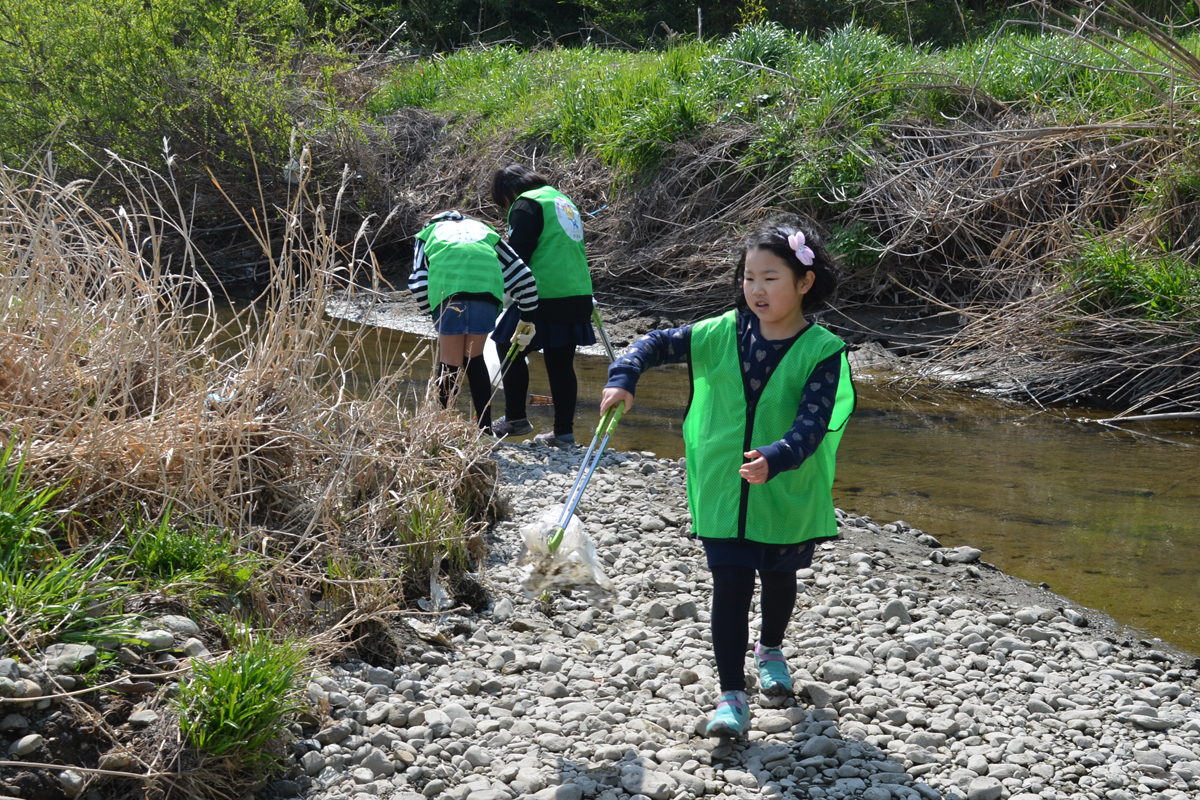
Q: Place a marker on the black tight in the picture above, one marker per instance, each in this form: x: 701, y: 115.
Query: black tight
x: 479, y: 381
x: 564, y: 387
x: 481, y: 390
x: 733, y: 589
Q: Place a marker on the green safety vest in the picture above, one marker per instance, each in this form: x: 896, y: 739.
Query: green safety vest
x: 559, y: 262
x: 462, y: 258
x: 792, y: 507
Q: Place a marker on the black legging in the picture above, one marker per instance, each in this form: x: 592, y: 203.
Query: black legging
x: 733, y: 589
x: 564, y: 387
x: 479, y: 382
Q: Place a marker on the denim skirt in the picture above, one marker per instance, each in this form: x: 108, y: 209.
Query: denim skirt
x: 458, y: 317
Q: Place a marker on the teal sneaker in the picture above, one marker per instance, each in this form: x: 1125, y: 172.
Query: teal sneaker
x: 732, y: 717
x: 774, y: 677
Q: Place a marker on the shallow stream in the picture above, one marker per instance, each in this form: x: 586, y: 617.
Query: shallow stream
x: 1106, y: 518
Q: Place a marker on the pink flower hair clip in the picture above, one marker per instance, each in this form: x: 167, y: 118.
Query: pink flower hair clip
x: 803, y: 251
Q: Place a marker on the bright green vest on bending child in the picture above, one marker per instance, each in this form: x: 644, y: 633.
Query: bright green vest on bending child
x: 462, y: 258
x: 720, y: 425
x: 559, y: 262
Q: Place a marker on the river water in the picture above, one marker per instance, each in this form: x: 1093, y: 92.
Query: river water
x: 1106, y: 518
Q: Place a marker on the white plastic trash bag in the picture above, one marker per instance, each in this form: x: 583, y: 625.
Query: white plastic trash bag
x: 573, y: 567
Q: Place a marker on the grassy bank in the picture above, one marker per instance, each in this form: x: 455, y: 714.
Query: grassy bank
x: 1045, y: 179
x: 167, y: 458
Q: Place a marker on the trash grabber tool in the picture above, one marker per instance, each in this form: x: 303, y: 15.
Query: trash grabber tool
x: 591, y: 460
x: 608, y: 348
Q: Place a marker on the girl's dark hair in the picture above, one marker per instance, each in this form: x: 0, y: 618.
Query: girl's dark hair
x: 509, y: 183
x: 773, y: 237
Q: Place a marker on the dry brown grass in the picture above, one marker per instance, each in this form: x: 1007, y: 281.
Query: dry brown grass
x: 124, y: 380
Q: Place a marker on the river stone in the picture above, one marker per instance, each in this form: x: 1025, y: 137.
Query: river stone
x: 141, y: 719
x: 13, y: 722
x: 503, y: 610
x: 476, y: 756
x: 25, y: 745
x: 1032, y: 614
x: 69, y: 657
x: 963, y: 555
x: 931, y: 741
x: 72, y: 782
x: 179, y: 625
x: 818, y: 746
x: 568, y: 791
x: 1010, y: 645
x: 155, y: 641
x: 651, y: 524
x: 845, y: 668
x: 774, y: 724
x: 923, y: 641
x: 312, y: 762
x: 379, y: 764
x: 553, y: 742
x: 1153, y: 723
x: 652, y: 784
x: 437, y: 722
x: 1177, y: 753
x: 1084, y: 650
x: 895, y: 609
x: 1153, y: 758
x: 985, y: 789
x: 195, y: 648
x: 1039, y: 706
x: 823, y: 695
x: 876, y: 793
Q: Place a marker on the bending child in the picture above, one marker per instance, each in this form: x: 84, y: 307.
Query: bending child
x: 771, y: 393
x: 461, y: 268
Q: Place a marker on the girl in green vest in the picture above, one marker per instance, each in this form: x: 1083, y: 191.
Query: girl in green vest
x: 546, y: 229
x: 461, y: 268
x: 771, y: 392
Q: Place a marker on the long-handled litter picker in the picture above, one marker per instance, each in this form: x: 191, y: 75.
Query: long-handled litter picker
x: 608, y: 348
x: 558, y: 552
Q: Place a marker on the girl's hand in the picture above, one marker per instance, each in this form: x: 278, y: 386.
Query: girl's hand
x: 756, y: 470
x: 613, y: 396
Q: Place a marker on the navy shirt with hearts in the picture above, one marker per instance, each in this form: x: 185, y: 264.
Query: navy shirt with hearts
x: 759, y: 359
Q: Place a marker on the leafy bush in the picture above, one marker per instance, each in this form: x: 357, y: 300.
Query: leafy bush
x: 238, y: 706
x: 215, y: 76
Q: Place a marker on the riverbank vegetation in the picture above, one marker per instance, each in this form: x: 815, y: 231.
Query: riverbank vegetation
x: 167, y: 454
x: 1034, y: 185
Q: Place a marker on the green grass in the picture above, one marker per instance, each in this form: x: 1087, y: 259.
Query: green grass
x: 815, y: 97
x: 44, y: 594
x: 237, y: 707
x: 1158, y: 286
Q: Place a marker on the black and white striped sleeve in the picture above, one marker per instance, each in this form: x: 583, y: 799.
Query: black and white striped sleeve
x: 418, y: 279
x: 518, y: 280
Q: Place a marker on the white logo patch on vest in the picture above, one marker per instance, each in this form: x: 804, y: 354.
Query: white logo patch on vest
x: 461, y: 232
x: 568, y: 217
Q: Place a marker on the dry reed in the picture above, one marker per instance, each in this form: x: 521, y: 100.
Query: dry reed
x: 125, y: 381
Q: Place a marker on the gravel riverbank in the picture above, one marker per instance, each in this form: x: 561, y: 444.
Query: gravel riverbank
x: 921, y: 673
